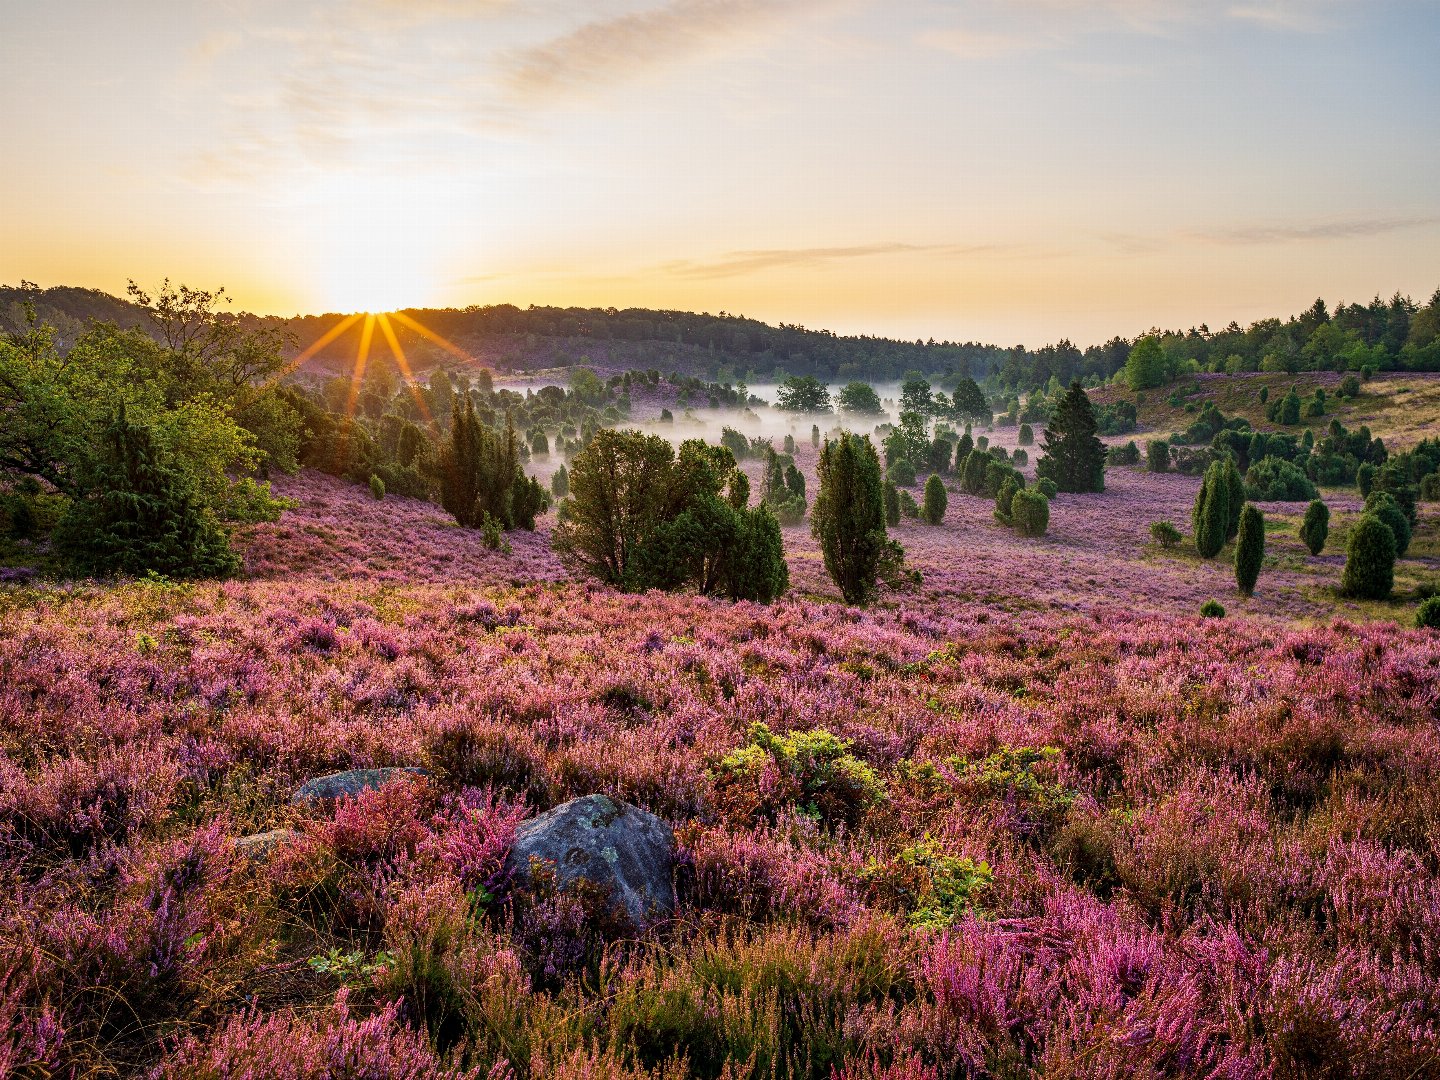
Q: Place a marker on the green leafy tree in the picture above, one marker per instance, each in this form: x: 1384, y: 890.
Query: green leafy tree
x: 915, y: 398
x: 1211, y: 515
x: 1146, y: 365
x: 1074, y: 456
x: 935, y: 500
x: 858, y: 399
x: 803, y: 393
x: 1315, y: 527
x: 1249, y: 549
x: 1369, y: 572
x: 908, y: 440
x: 968, y: 402
x: 848, y: 518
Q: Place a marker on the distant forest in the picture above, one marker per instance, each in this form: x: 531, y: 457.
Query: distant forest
x: 1381, y: 335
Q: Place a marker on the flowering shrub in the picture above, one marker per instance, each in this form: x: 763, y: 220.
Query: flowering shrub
x: 1012, y: 822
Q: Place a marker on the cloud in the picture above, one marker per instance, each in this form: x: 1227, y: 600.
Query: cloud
x: 736, y: 263
x: 981, y: 44
x: 606, y: 51
x: 1352, y: 229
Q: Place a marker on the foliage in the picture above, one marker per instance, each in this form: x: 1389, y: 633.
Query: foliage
x: 141, y: 514
x: 803, y: 393
x: 1165, y: 534
x: 901, y: 473
x: 1315, y: 526
x: 848, y: 518
x: 480, y: 475
x: 933, y: 887
x: 1026, y: 436
x: 1427, y: 615
x: 1273, y: 479
x: 1249, y: 549
x: 892, y: 504
x: 1074, y: 458
x: 813, y: 771
x: 377, y: 487
x: 1147, y: 365
x: 858, y: 398
x: 1047, y: 487
x: 935, y: 501
x: 1369, y: 560
x: 1209, y: 519
x: 560, y: 482
x: 1212, y: 609
x: 1030, y: 512
x: 1383, y: 506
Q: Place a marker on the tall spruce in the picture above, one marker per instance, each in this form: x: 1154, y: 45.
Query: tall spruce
x: 1074, y: 456
x: 848, y: 518
x: 1249, y: 549
x: 1211, y: 515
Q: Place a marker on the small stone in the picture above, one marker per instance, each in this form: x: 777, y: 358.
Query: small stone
x: 611, y: 844
x: 260, y: 846
x: 330, y: 789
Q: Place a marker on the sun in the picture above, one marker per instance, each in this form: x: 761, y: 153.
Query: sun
x: 374, y: 242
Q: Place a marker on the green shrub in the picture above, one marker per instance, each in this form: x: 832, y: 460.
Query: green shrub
x: 901, y: 473
x: 933, y: 888
x: 1047, y: 487
x: 144, y: 514
x: 1430, y: 487
x: 908, y: 506
x: 1365, y: 478
x: 1020, y: 457
x: 1004, y: 499
x: 935, y: 500
x: 813, y: 771
x: 1030, y: 512
x: 560, y: 483
x: 1027, y: 435
x: 1212, y: 609
x: 1249, y: 549
x: 1165, y: 534
x: 1274, y: 479
x: 1124, y: 454
x: 1383, y: 505
x: 892, y: 504
x: 1349, y: 387
x: 377, y: 487
x: 1157, y: 456
x: 1315, y: 527
x: 848, y: 518
x: 1427, y: 615
x: 1369, y: 560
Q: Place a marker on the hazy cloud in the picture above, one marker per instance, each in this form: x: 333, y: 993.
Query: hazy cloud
x: 606, y: 51
x: 737, y: 263
x: 1355, y: 228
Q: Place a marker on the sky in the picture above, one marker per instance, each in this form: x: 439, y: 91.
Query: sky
x: 1009, y: 171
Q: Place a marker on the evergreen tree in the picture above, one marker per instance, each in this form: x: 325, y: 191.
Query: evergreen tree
x: 814, y: 434
x: 1234, y: 498
x: 972, y: 475
x: 141, y: 514
x: 560, y: 483
x: 1157, y: 456
x: 892, y: 504
x: 849, y: 517
x: 935, y: 500
x: 1145, y: 367
x: 1383, y: 505
x: 1290, y: 408
x: 1249, y: 549
x: 1211, y: 515
x: 1074, y: 456
x: 1030, y: 512
x: 1027, y: 435
x: 1369, y: 560
x: 1315, y: 528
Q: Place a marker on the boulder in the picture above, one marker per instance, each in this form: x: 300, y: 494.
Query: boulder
x: 611, y: 844
x: 330, y: 789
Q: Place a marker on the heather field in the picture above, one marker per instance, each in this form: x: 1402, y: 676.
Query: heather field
x: 1086, y: 833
